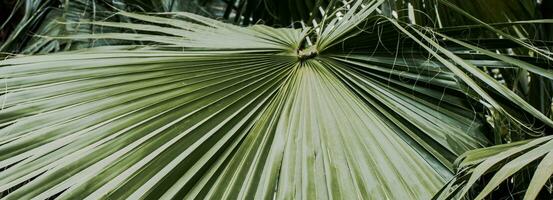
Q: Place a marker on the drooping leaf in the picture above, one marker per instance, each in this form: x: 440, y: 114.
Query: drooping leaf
x: 505, y: 164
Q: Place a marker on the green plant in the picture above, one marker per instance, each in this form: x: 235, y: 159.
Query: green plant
x: 358, y: 105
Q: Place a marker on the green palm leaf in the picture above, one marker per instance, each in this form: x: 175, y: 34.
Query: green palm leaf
x: 212, y: 110
x: 506, y: 164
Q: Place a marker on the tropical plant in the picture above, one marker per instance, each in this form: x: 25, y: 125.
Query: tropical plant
x: 534, y: 157
x: 371, y: 99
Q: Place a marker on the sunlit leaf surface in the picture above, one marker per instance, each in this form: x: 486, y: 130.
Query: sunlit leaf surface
x: 208, y: 110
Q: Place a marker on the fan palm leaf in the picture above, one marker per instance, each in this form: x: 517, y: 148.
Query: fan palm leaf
x: 212, y: 110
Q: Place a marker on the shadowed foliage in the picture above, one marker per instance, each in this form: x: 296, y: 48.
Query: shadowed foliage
x: 367, y: 99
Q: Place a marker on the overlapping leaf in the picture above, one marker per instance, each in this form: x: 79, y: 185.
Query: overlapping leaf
x: 211, y: 110
x: 505, y: 164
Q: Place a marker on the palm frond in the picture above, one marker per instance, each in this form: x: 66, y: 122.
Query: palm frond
x: 190, y: 107
x: 508, y: 164
x: 220, y: 111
